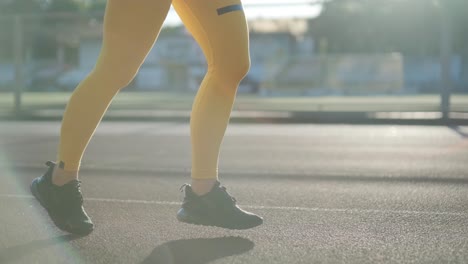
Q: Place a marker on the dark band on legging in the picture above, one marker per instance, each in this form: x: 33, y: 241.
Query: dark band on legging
x: 227, y: 9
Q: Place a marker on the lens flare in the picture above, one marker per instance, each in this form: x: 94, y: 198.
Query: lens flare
x: 27, y: 233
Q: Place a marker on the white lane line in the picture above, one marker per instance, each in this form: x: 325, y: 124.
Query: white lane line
x: 284, y: 208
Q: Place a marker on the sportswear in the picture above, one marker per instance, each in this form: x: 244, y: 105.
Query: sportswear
x: 64, y: 204
x: 216, y: 208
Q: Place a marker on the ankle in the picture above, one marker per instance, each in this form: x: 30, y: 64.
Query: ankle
x: 202, y: 187
x: 61, y: 177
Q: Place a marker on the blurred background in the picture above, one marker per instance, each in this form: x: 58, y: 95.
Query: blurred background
x: 387, y: 59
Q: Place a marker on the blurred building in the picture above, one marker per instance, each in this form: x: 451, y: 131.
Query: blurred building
x: 286, y: 59
x: 177, y: 63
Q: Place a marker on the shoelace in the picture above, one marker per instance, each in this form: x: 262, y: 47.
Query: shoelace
x: 74, y: 193
x: 234, y: 201
x: 74, y: 190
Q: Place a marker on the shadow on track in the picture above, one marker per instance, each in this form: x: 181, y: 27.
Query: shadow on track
x: 198, y: 251
x: 13, y: 253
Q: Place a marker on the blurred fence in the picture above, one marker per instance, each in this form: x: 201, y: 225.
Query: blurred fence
x: 54, y: 52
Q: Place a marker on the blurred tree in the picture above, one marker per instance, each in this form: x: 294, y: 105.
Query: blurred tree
x: 411, y: 27
x: 7, y: 24
x: 408, y: 26
x: 97, y: 6
x: 60, y: 18
x: 458, y: 12
x: 21, y: 6
x: 63, y: 6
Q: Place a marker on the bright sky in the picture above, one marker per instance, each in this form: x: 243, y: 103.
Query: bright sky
x: 270, y: 9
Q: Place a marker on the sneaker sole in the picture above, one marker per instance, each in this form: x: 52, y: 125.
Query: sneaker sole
x: 35, y: 193
x: 184, y: 218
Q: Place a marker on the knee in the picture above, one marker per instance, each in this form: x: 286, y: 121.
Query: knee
x: 243, y: 68
x: 234, y: 69
x: 124, y: 77
x: 117, y: 76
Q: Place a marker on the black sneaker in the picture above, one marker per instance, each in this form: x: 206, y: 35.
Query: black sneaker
x: 63, y: 203
x: 216, y: 208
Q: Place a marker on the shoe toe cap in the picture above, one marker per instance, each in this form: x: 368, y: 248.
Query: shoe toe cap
x: 253, y: 221
x: 84, y: 229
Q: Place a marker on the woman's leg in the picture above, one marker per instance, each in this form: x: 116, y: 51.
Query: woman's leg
x: 130, y: 30
x: 221, y: 30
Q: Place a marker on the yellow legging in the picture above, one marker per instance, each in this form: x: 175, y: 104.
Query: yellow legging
x: 130, y: 30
